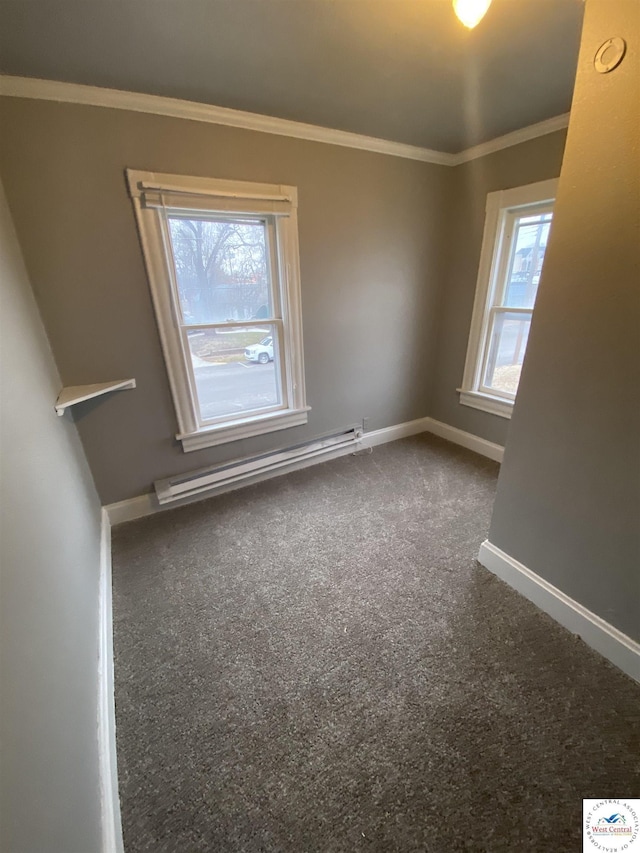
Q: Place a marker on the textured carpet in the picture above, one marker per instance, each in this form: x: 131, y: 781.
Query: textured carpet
x: 317, y: 663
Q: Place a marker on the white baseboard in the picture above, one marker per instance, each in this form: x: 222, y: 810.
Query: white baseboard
x: 611, y: 643
x: 465, y: 439
x: 442, y: 430
x: 110, y: 802
x: 143, y: 505
x: 132, y: 508
x: 393, y: 433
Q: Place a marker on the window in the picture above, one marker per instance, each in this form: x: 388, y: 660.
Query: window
x: 516, y: 232
x: 222, y: 260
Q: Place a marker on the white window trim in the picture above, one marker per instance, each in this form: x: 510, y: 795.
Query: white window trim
x: 499, y: 205
x: 145, y: 189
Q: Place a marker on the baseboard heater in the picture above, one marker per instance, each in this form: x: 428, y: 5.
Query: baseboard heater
x: 210, y: 479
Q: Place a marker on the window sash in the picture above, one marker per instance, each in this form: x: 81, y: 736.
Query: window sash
x: 494, y: 312
x: 271, y: 247
x: 279, y: 362
x: 508, y: 246
x: 275, y: 289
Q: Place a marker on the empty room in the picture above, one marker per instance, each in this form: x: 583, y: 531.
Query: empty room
x: 320, y: 432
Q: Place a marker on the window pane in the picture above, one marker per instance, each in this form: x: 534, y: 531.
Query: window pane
x: 530, y: 238
x: 222, y: 268
x: 236, y: 370
x: 508, y: 343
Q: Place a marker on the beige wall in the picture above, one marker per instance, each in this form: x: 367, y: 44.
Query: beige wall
x: 527, y: 163
x: 372, y: 237
x: 568, y: 502
x: 49, y: 564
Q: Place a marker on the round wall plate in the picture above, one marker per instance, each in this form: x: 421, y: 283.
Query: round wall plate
x: 610, y: 55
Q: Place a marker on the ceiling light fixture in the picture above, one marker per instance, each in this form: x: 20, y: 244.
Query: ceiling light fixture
x: 471, y: 12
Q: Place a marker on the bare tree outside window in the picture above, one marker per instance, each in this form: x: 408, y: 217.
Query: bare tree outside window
x: 221, y: 267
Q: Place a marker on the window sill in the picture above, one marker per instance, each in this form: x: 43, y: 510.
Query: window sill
x: 486, y: 403
x: 244, y: 428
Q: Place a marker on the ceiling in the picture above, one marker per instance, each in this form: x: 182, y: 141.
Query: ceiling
x: 404, y: 70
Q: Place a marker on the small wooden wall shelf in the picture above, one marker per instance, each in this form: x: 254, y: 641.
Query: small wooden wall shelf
x: 79, y: 393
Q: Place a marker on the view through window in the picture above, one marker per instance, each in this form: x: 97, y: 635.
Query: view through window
x: 511, y: 316
x: 229, y: 313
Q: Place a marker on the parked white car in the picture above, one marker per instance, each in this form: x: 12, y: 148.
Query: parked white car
x: 262, y: 352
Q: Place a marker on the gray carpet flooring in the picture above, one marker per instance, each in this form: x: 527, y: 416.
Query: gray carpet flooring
x: 317, y: 663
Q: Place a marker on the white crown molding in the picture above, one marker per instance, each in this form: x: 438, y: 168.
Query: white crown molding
x: 74, y: 93
x: 524, y: 134
x: 95, y: 96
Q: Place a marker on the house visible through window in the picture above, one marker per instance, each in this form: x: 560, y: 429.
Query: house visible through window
x: 517, y: 229
x: 222, y: 260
